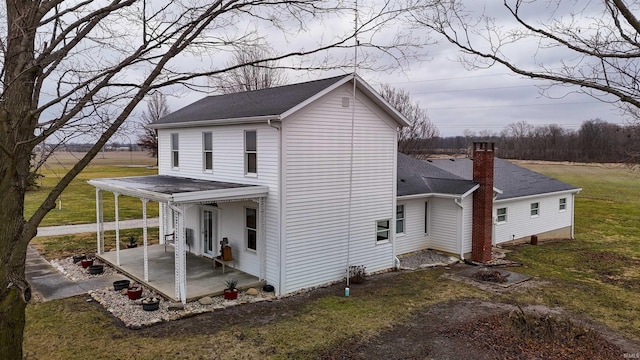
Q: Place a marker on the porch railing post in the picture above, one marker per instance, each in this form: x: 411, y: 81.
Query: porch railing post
x: 99, y: 222
x: 144, y: 239
x: 115, y: 196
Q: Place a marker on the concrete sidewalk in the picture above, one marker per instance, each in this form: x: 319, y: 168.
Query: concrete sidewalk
x: 52, y: 285
x: 84, y: 228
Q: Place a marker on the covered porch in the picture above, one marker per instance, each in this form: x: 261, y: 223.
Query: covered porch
x: 202, y: 279
x: 190, y: 212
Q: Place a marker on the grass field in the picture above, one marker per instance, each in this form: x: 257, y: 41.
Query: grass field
x: 77, y: 204
x: 596, y: 275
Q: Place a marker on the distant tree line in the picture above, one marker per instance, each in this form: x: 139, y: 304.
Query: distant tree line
x: 595, y: 141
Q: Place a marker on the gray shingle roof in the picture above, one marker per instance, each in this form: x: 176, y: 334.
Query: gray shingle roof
x: 513, y: 180
x: 265, y: 102
x: 419, y: 177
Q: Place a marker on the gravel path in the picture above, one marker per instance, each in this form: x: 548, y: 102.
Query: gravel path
x: 425, y: 259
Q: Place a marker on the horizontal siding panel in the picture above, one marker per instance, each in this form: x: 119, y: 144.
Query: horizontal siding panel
x: 444, y: 225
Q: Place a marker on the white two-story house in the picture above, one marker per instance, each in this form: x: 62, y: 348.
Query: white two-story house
x: 303, y: 181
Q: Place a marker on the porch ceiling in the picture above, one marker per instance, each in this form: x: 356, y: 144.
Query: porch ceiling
x: 164, y: 188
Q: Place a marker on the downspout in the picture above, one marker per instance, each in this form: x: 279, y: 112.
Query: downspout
x: 394, y: 250
x: 458, y: 201
x: 281, y: 204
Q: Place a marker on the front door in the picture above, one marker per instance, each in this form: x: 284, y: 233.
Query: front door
x: 209, y: 230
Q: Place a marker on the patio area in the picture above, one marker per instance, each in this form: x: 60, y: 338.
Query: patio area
x: 202, y: 279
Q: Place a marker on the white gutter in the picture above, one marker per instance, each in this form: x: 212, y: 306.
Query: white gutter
x: 215, y: 122
x: 572, y: 191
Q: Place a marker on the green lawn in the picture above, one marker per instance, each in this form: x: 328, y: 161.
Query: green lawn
x: 79, y: 198
x: 596, y: 275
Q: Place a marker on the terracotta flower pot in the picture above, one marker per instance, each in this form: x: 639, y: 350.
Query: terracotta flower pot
x: 230, y: 294
x: 86, y: 263
x: 134, y: 293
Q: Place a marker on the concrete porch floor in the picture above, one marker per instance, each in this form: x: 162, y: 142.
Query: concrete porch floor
x: 202, y: 278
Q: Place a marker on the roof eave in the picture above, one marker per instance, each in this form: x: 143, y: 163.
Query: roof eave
x: 221, y: 194
x: 139, y: 193
x: 214, y: 122
x: 569, y: 191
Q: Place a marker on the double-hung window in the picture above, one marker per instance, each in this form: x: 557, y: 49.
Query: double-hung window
x: 251, y: 228
x: 400, y: 217
x: 501, y: 215
x: 174, y: 150
x: 562, y: 206
x: 207, y: 151
x: 250, y: 152
x: 383, y: 230
x: 535, y: 209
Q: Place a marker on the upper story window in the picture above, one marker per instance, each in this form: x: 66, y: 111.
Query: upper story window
x: 174, y: 150
x: 535, y: 209
x: 250, y: 152
x: 562, y: 206
x: 383, y: 230
x: 400, y: 217
x: 207, y: 151
x: 501, y: 215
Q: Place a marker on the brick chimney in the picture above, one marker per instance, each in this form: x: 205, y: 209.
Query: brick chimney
x: 482, y: 202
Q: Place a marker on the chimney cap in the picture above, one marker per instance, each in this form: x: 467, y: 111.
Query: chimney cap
x: 483, y: 146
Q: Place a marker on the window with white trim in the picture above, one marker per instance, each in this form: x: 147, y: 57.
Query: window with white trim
x: 501, y: 215
x: 251, y: 228
x: 383, y: 230
x: 174, y: 150
x: 207, y: 151
x: 400, y: 217
x: 562, y: 205
x: 250, y: 152
x: 535, y: 209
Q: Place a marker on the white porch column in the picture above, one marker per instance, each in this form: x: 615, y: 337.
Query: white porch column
x: 179, y: 254
x: 115, y: 196
x: 99, y: 222
x: 163, y: 221
x: 262, y: 238
x: 144, y: 239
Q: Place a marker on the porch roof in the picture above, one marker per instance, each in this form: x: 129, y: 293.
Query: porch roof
x: 164, y: 188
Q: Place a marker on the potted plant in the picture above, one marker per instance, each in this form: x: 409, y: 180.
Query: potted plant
x: 132, y: 242
x: 150, y: 303
x: 134, y: 292
x: 96, y: 269
x: 85, y: 263
x: 231, y: 292
x: 121, y: 284
x: 78, y: 258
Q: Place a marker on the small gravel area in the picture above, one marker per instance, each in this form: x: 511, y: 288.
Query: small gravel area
x: 131, y: 312
x: 425, y: 259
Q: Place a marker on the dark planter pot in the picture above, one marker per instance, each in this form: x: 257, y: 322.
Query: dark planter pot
x: 230, y: 294
x: 78, y: 258
x: 121, y: 284
x: 150, y: 305
x: 268, y: 288
x: 134, y: 293
x: 131, y: 246
x: 96, y: 269
x: 86, y: 263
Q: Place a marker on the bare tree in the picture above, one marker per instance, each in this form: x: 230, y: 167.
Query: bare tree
x: 591, y: 47
x: 156, y: 108
x: 74, y: 69
x: 257, y: 75
x: 419, y: 138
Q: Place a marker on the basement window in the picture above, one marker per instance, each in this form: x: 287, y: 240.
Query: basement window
x: 501, y: 215
x: 563, y: 204
x: 535, y: 209
x: 383, y: 230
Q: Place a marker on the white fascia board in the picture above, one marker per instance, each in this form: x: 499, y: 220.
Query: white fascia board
x: 476, y: 187
x: 438, y: 195
x: 568, y: 192
x: 413, y: 196
x: 223, y: 194
x: 143, y: 194
x: 215, y: 122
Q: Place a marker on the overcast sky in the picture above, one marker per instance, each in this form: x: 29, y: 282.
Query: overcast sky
x: 458, y: 99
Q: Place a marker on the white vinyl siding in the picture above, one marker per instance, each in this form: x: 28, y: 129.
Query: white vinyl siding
x: 228, y: 166
x: 445, y: 232
x: 522, y: 225
x: 414, y: 238
x: 321, y: 229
